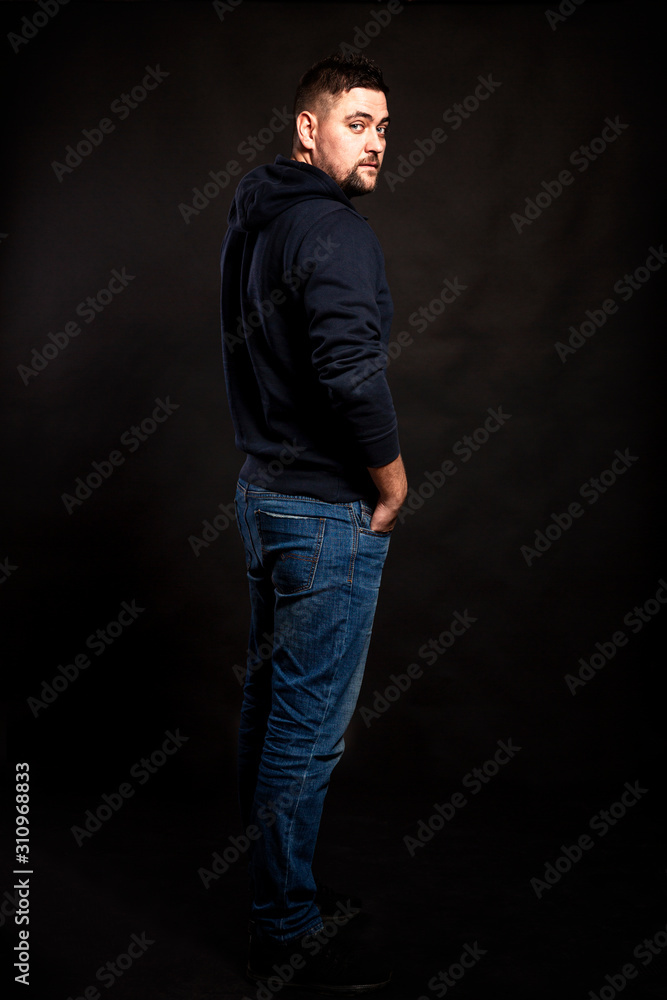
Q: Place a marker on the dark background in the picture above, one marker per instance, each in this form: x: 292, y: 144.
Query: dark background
x: 458, y: 550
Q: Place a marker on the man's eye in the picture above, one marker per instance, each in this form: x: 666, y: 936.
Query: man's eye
x: 382, y: 129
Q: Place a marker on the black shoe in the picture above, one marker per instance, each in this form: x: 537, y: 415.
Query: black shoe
x: 328, y: 901
x: 315, y: 962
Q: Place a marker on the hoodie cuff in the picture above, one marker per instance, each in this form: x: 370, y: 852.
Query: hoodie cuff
x: 382, y: 451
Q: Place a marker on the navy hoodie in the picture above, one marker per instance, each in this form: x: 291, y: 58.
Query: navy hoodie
x: 306, y: 313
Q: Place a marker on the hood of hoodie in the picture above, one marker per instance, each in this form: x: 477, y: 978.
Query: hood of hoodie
x: 273, y: 188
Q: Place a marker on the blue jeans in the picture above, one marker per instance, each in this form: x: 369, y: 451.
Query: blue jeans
x: 314, y: 572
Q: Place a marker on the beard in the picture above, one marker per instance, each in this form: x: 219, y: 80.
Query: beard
x: 351, y: 184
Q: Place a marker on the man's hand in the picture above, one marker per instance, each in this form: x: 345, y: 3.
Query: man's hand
x: 392, y: 486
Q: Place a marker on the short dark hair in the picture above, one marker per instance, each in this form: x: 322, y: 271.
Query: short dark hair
x: 330, y: 77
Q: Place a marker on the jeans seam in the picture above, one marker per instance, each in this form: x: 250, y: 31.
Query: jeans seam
x: 333, y: 678
x: 355, y: 544
x: 266, y: 494
x: 250, y: 538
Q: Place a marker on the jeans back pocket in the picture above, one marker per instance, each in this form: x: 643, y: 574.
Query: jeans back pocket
x: 291, y: 546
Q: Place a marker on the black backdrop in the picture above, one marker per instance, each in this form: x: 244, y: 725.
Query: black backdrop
x: 210, y: 88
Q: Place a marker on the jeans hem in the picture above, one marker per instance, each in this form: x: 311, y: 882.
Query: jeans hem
x: 319, y: 926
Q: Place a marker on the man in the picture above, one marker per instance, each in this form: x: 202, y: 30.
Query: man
x: 306, y: 313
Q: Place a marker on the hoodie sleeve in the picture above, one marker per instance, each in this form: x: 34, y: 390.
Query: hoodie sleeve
x: 341, y: 296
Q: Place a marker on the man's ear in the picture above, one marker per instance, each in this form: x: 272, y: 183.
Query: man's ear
x: 306, y: 127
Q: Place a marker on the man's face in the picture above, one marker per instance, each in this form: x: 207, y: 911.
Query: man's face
x: 349, y: 142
